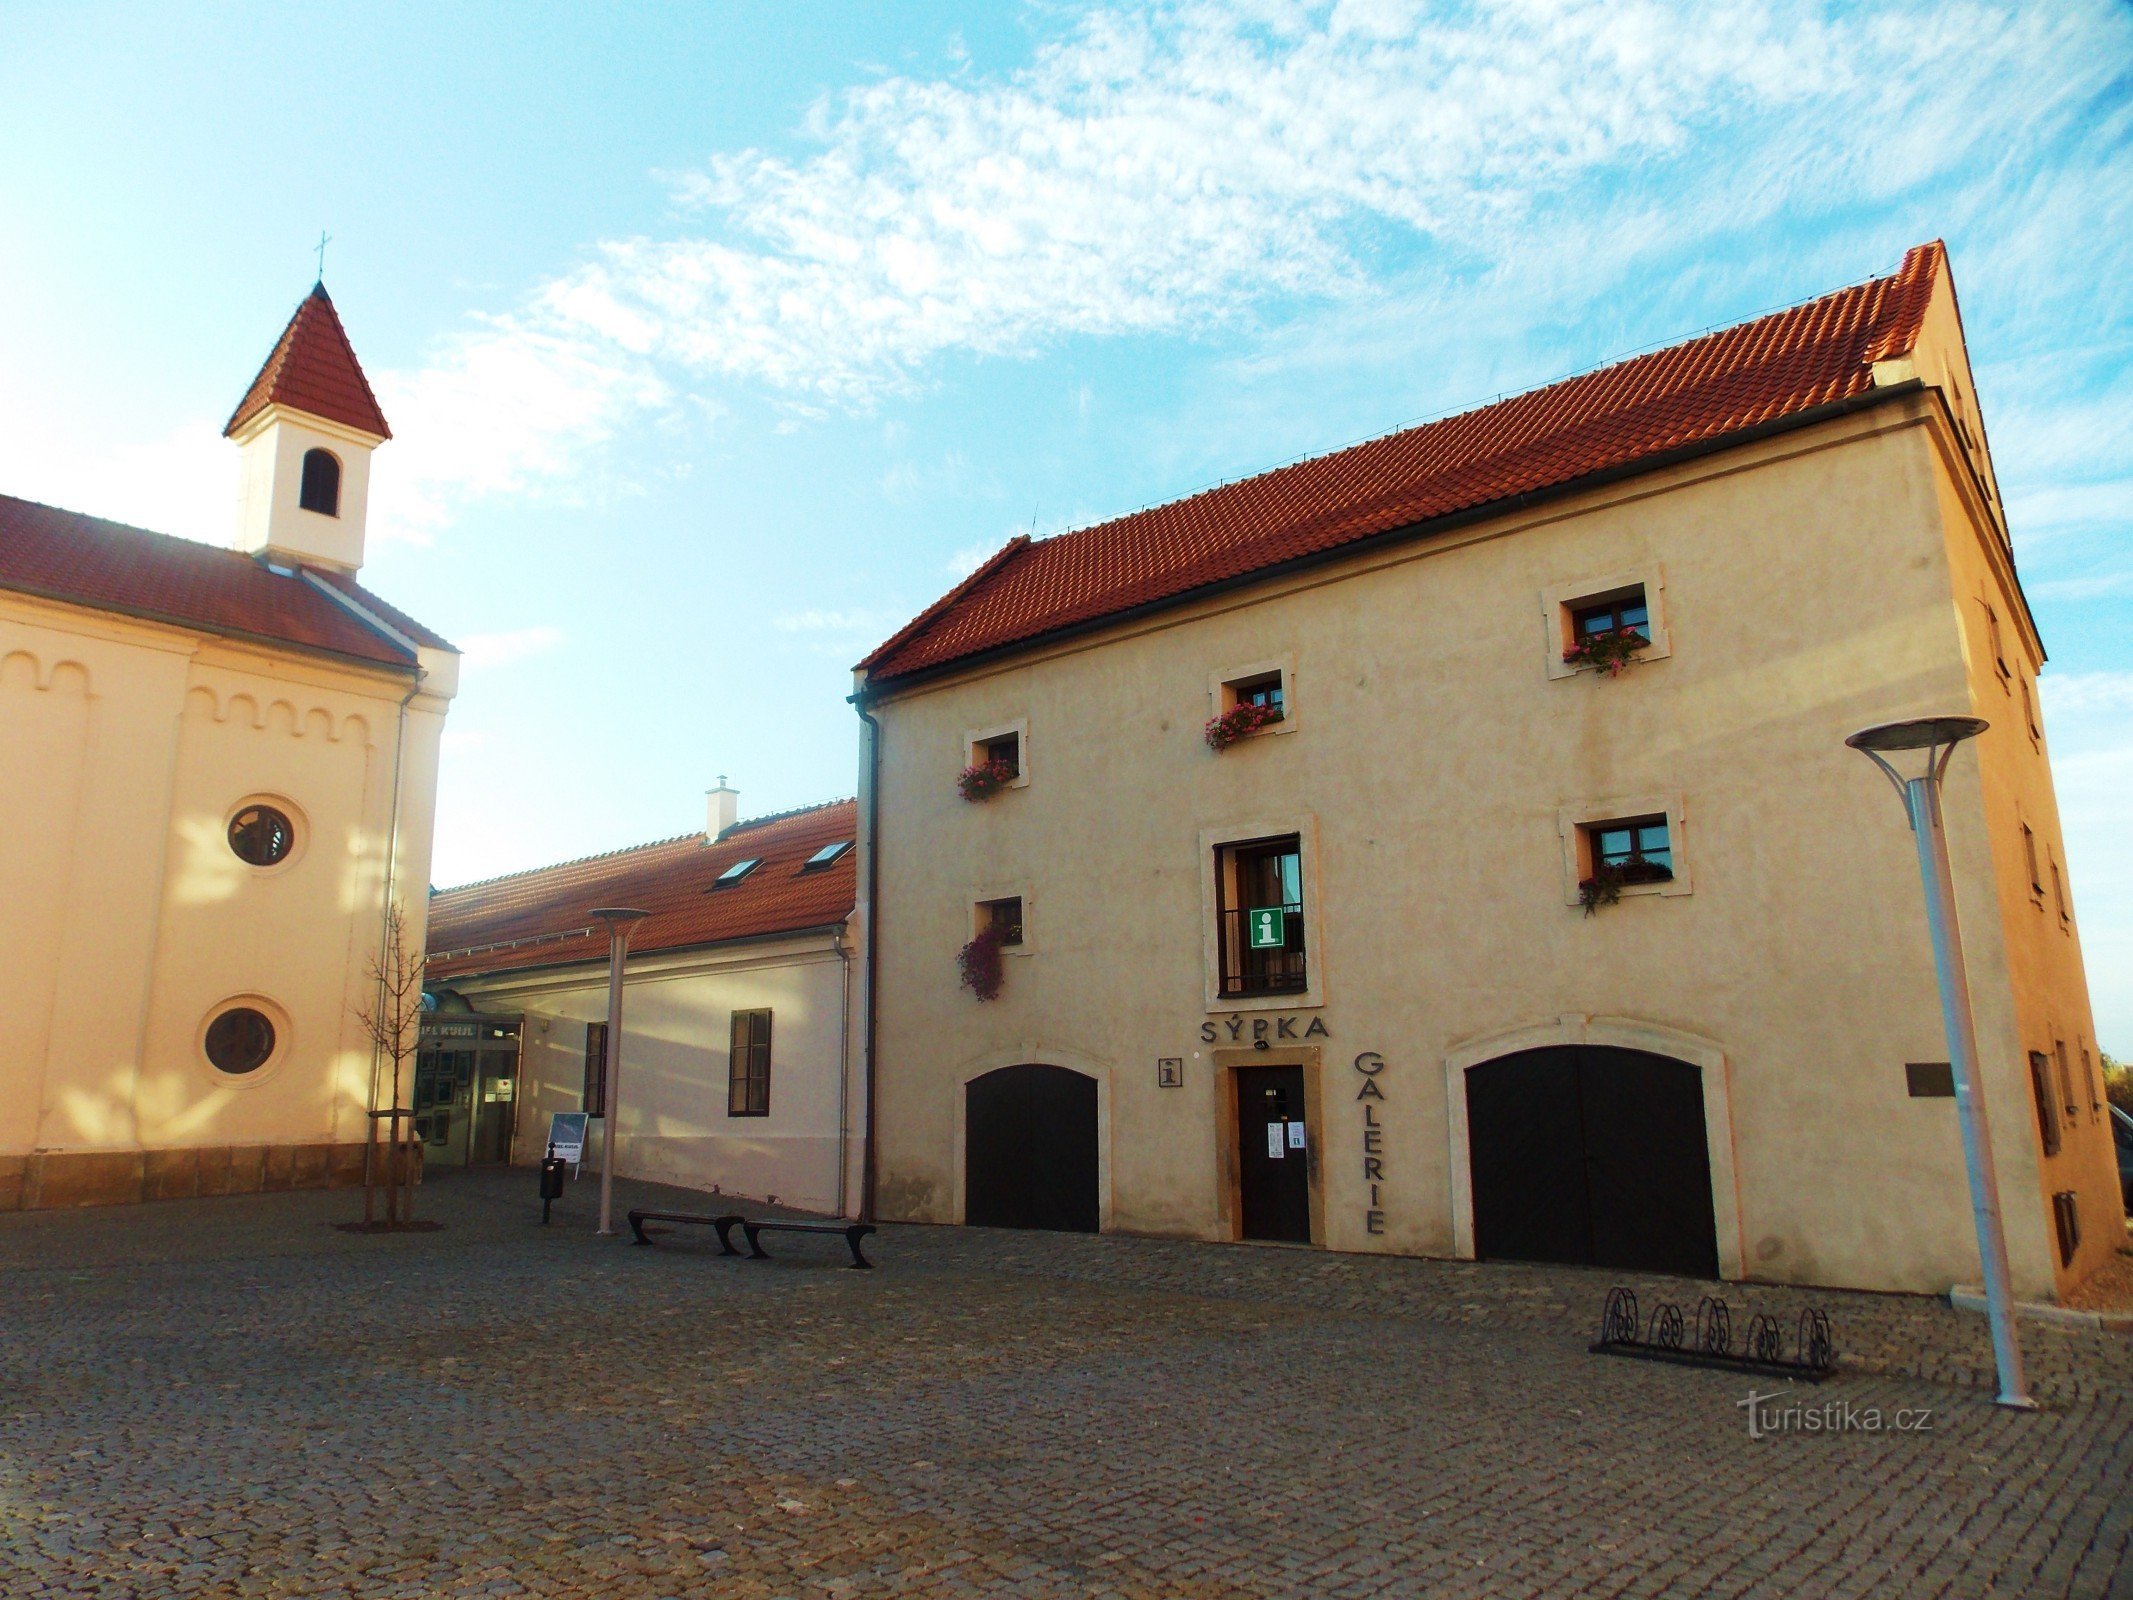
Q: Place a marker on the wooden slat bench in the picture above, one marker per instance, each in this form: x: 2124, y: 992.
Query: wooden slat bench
x: 753, y: 1230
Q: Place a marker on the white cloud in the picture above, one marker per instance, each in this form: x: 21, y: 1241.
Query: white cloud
x: 838, y: 622
x: 973, y: 556
x: 484, y: 650
x: 1187, y: 165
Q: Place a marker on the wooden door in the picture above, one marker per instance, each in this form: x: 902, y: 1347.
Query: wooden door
x: 1273, y: 1155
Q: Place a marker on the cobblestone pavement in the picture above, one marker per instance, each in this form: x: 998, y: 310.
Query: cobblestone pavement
x: 229, y: 1397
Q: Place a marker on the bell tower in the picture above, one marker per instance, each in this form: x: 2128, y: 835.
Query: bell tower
x: 304, y: 433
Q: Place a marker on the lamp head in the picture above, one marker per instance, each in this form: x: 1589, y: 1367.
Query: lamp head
x: 1937, y: 736
x: 613, y: 915
x: 1917, y: 733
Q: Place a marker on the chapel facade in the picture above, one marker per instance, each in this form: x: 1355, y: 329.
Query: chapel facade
x: 220, y: 777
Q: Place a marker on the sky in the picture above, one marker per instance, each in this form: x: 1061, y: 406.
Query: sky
x: 719, y: 339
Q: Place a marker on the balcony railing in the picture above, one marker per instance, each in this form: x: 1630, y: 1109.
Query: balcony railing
x: 1246, y: 971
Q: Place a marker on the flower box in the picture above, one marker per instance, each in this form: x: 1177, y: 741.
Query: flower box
x: 1239, y: 722
x: 1611, y: 652
x: 1605, y: 886
x: 984, y: 780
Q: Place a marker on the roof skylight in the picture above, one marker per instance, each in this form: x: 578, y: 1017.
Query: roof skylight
x: 736, y: 872
x: 828, y: 853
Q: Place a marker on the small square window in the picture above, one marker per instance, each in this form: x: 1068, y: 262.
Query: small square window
x: 1264, y: 691
x: 2059, y: 891
x: 2040, y: 1088
x: 1999, y: 650
x: 1006, y: 750
x: 2029, y: 856
x: 1003, y: 916
x: 1637, y: 849
x: 1625, y: 613
x: 2029, y: 713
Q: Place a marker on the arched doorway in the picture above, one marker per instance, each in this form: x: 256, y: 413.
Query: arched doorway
x: 1029, y: 1149
x: 1594, y: 1156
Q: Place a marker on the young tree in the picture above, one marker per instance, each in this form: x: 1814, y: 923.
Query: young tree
x: 393, y: 1022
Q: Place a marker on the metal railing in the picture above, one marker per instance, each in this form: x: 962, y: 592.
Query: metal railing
x: 1246, y: 971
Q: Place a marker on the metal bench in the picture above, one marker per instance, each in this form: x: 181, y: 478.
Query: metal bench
x: 753, y: 1230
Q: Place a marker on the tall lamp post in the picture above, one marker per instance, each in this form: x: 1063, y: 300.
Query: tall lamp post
x: 621, y: 923
x: 1938, y: 737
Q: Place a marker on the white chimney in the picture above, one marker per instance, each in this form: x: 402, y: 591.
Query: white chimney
x: 724, y: 808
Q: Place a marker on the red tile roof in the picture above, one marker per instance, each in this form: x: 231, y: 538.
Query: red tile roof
x: 539, y: 918
x: 1636, y: 410
x: 108, y: 566
x: 313, y: 368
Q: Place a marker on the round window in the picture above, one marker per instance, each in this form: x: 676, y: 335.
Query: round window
x: 240, y: 1040
x: 261, y: 835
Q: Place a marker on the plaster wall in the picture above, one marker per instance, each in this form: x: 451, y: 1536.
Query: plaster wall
x: 677, y: 1016
x: 132, y: 920
x: 271, y: 457
x: 1435, y: 762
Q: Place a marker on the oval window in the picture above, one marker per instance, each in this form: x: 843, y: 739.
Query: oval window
x: 240, y: 1040
x: 262, y: 835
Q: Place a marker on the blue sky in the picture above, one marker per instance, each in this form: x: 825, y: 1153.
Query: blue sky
x: 718, y: 339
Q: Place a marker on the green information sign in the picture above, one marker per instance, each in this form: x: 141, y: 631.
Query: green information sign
x: 1267, y: 928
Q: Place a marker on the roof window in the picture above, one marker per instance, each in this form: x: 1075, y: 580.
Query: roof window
x: 739, y: 870
x: 826, y: 855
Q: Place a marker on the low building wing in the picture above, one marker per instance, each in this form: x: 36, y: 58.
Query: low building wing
x: 538, y: 918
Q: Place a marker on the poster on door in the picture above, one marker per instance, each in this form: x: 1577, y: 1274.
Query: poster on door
x: 1277, y: 1144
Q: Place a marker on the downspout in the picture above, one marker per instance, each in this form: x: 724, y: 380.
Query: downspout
x: 844, y: 1063
x: 873, y: 936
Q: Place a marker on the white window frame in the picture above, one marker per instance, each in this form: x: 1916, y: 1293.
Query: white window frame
x: 1221, y: 699
x: 974, y: 737
x: 1559, y: 601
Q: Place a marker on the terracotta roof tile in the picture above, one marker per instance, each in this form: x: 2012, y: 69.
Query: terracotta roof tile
x: 1693, y: 393
x: 539, y: 918
x: 313, y: 368
x: 108, y: 566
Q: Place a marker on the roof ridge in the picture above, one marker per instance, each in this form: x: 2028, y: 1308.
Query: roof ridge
x: 557, y: 866
x: 747, y: 823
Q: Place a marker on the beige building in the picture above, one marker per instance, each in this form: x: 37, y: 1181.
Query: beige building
x: 1532, y: 906
x: 737, y: 996
x: 220, y: 771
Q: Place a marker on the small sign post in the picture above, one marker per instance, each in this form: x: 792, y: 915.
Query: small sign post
x: 566, y: 1137
x: 1267, y: 928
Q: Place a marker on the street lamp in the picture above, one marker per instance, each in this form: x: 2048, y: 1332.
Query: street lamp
x: 621, y: 923
x: 1938, y: 737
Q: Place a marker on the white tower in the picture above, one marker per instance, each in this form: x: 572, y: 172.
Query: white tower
x: 304, y: 433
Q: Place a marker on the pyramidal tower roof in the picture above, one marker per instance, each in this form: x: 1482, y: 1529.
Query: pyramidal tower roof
x: 313, y: 369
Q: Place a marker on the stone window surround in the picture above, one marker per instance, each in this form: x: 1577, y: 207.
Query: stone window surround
x: 1220, y: 701
x: 1558, y: 601
x: 284, y: 1042
x: 1313, y: 995
x: 974, y: 737
x: 299, y: 826
x: 1572, y: 822
x: 1006, y: 891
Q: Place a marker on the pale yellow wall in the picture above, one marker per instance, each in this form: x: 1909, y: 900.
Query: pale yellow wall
x: 130, y: 744
x: 2024, y: 958
x: 271, y: 450
x: 1806, y: 593
x: 677, y: 1015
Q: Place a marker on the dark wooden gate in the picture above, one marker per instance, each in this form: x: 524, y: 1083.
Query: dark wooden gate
x: 1592, y: 1156
x: 1273, y: 1165
x: 1029, y: 1150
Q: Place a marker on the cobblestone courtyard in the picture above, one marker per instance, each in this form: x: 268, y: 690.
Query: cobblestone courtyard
x: 230, y: 1397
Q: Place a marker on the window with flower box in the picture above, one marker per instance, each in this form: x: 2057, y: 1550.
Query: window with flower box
x: 994, y: 760
x: 1605, y: 625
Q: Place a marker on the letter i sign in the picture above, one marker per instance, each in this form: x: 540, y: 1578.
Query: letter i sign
x: 1267, y: 932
